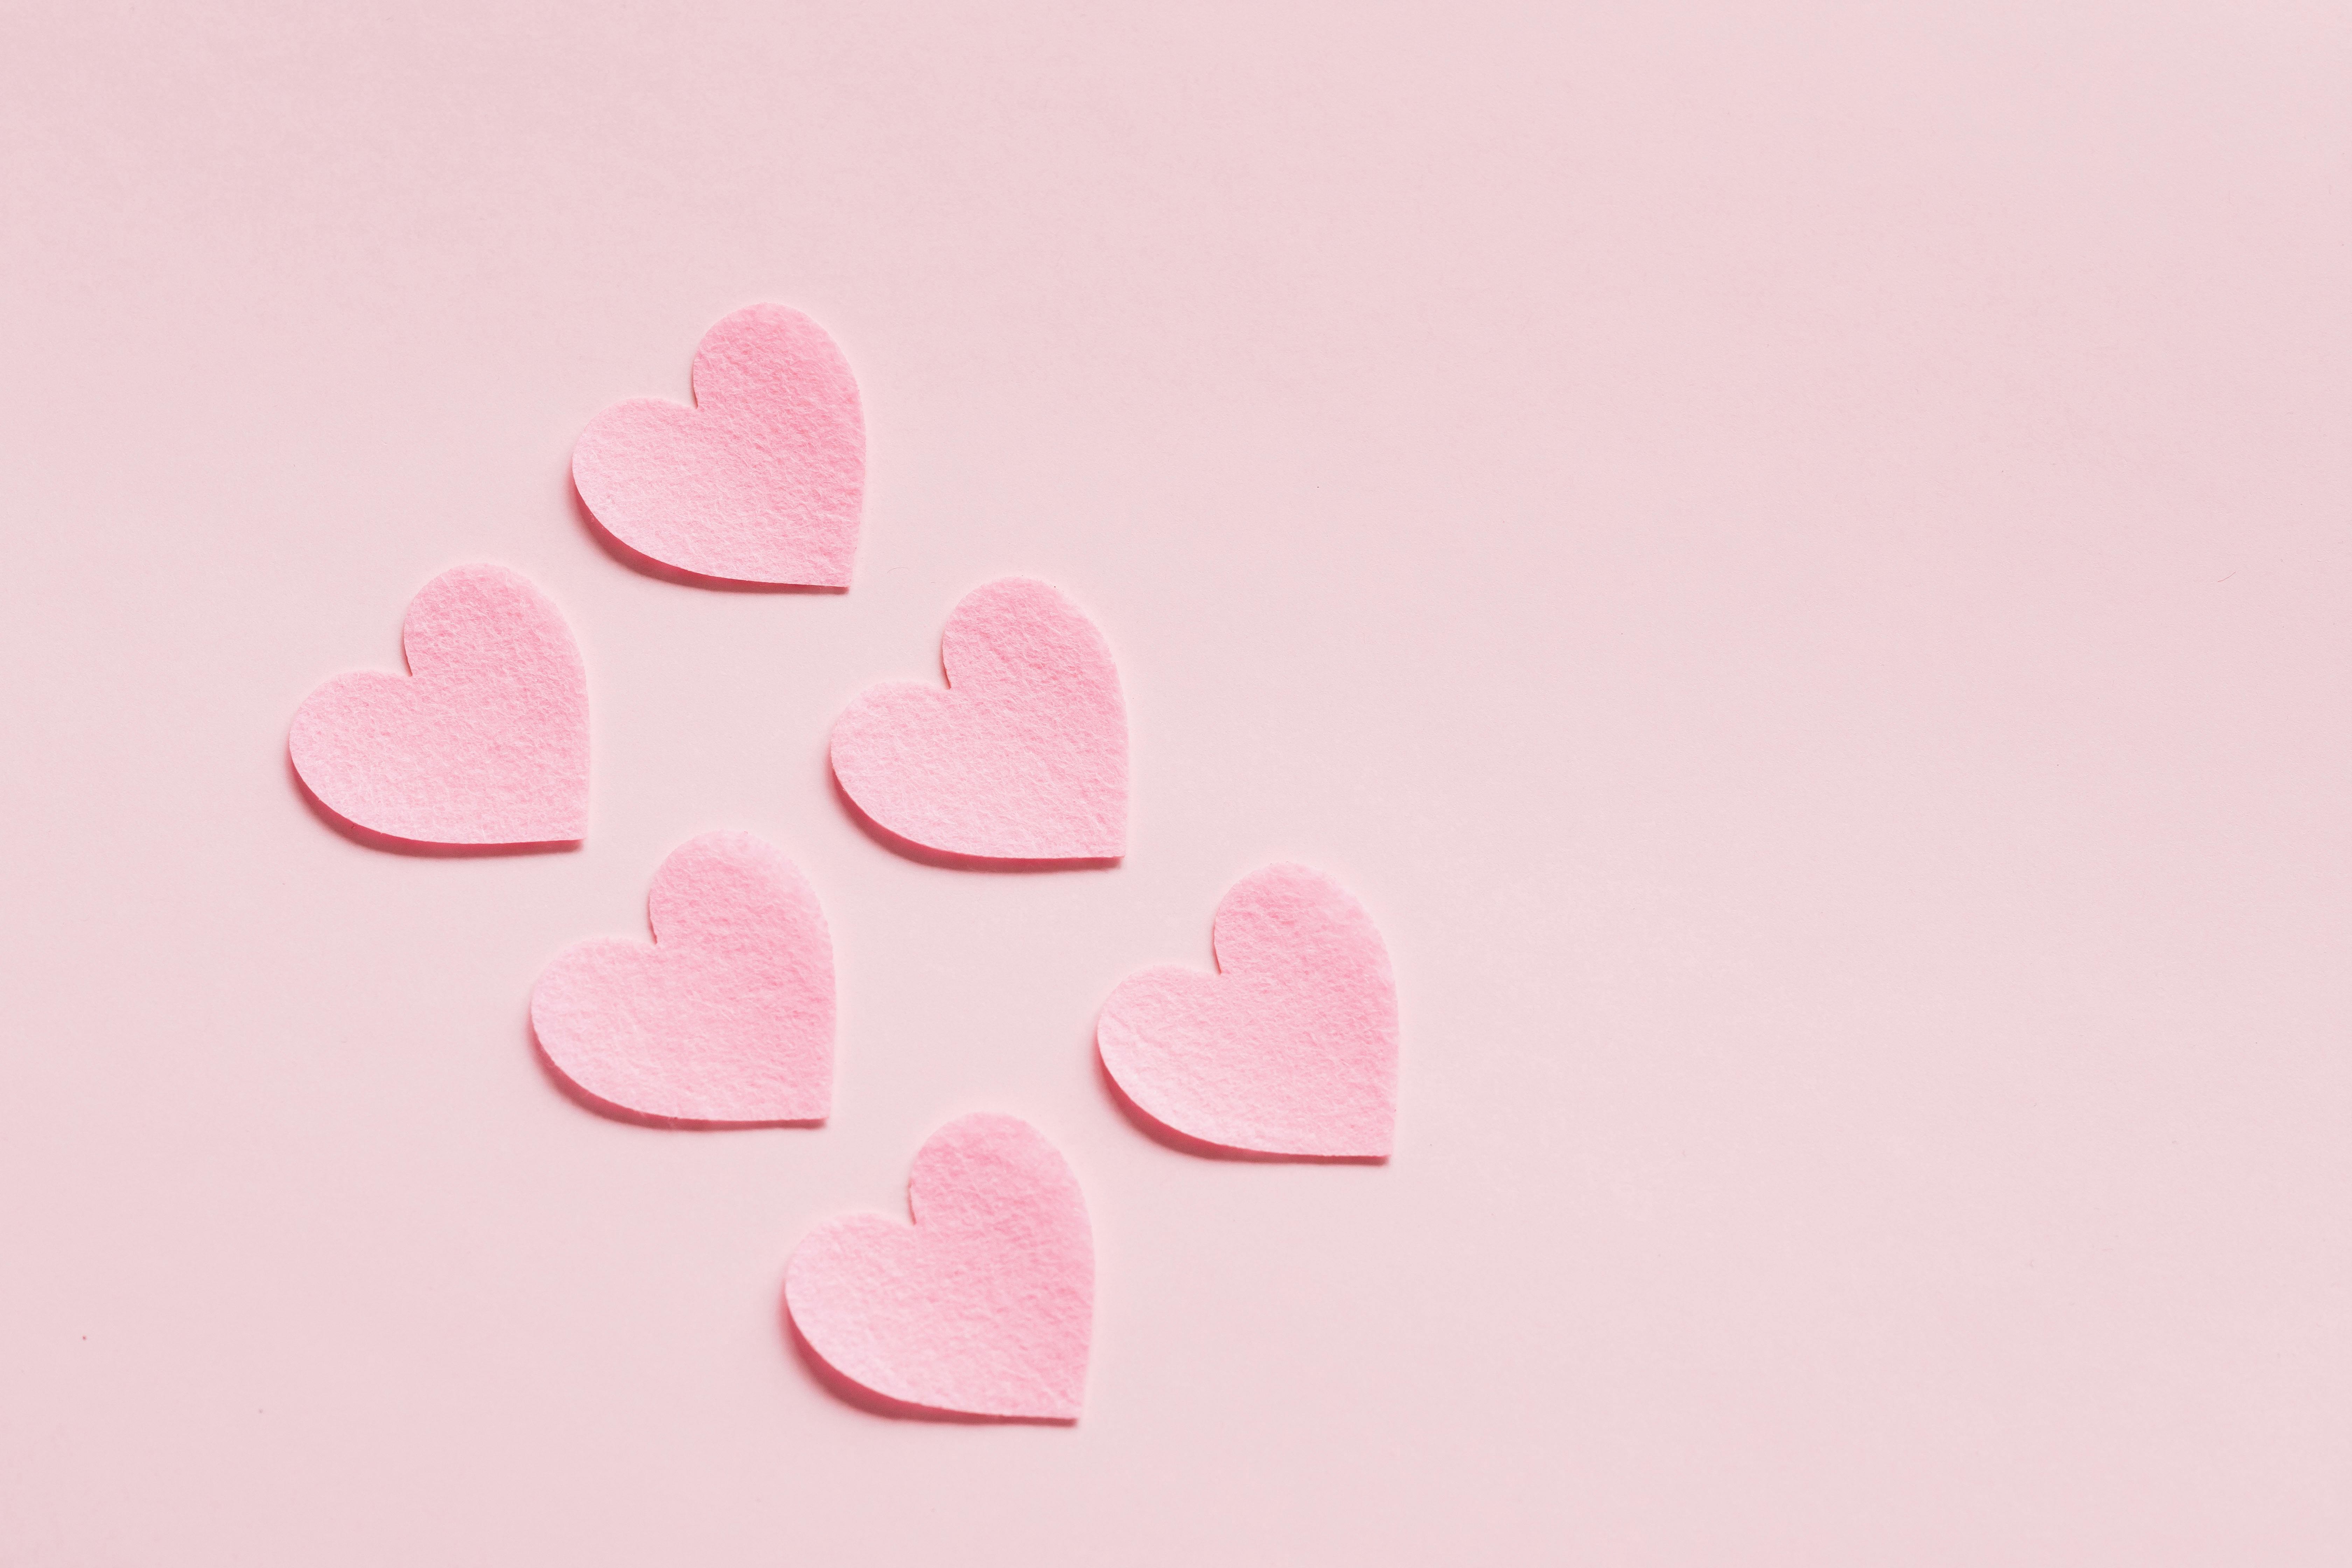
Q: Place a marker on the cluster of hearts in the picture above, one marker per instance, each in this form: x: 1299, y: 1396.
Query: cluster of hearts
x: 984, y: 1306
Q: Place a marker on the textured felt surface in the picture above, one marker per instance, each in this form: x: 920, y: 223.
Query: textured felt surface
x: 986, y: 1306
x: 1291, y: 1048
x: 1023, y: 757
x: 485, y: 742
x: 727, y: 1016
x: 761, y: 481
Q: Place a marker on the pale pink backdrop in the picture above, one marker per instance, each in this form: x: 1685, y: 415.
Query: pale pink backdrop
x: 1796, y: 556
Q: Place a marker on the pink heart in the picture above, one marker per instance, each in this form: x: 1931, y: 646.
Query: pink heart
x: 485, y: 743
x: 760, y: 481
x: 986, y: 1306
x: 1025, y: 758
x: 1290, y: 1049
x: 726, y: 1017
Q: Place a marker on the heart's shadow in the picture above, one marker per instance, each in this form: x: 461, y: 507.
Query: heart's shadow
x: 369, y: 839
x: 636, y: 560
x: 612, y: 1110
x: 1158, y: 1132
x: 907, y: 849
x: 826, y: 1375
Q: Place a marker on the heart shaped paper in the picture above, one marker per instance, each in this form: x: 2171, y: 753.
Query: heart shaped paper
x: 1023, y: 757
x: 760, y: 481
x: 1291, y: 1048
x: 986, y: 1306
x: 485, y: 742
x: 727, y: 1016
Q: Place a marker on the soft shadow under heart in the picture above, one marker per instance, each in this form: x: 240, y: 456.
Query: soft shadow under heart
x: 923, y: 854
x: 588, y: 1099
x: 853, y: 1392
x: 368, y: 838
x: 636, y: 560
x: 1158, y: 1132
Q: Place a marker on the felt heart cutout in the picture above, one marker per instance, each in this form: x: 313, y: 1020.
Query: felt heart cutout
x: 1290, y: 1049
x: 760, y: 481
x: 727, y: 1016
x: 485, y: 739
x: 1023, y: 758
x: 986, y: 1306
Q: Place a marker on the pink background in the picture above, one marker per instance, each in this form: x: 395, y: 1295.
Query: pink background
x: 1794, y: 554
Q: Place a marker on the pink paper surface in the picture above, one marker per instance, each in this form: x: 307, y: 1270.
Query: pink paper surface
x: 986, y: 1306
x: 1793, y: 555
x: 761, y: 481
x: 1023, y: 758
x: 726, y: 1017
x: 485, y: 739
x: 1291, y: 1048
